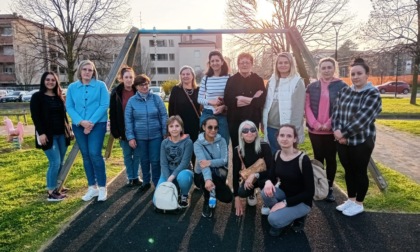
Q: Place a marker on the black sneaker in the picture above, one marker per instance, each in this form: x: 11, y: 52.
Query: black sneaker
x: 330, y: 197
x: 129, y: 183
x: 275, y: 231
x: 299, y: 224
x: 184, y: 201
x: 207, y: 211
x: 144, y: 187
x: 137, y: 182
x: 56, y: 196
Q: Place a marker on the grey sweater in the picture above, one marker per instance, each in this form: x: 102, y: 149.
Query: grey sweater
x: 175, y: 157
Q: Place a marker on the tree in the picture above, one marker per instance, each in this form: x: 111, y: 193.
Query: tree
x: 66, y: 24
x: 347, y: 49
x: 142, y: 63
x: 397, y: 22
x: 312, y: 18
x: 28, y: 67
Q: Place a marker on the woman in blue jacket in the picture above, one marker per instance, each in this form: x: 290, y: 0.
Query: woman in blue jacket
x: 145, y: 126
x: 87, y: 103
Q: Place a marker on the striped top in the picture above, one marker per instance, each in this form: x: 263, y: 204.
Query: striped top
x: 214, y: 88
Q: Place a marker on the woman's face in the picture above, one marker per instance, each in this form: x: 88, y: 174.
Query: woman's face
x: 249, y: 133
x: 283, y: 66
x: 245, y: 66
x: 211, y: 128
x: 50, y: 82
x: 128, y: 79
x: 186, y: 76
x: 87, y: 72
x: 174, y: 129
x: 143, y: 88
x: 327, y: 70
x: 286, y: 137
x: 216, y: 63
x: 358, y: 76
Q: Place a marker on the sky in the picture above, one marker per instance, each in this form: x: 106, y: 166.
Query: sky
x: 179, y: 14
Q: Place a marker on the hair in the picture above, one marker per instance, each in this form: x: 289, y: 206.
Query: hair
x: 295, y: 133
x: 58, y: 91
x: 84, y: 63
x: 225, y: 68
x: 172, y: 119
x: 360, y: 62
x: 242, y: 142
x: 194, y: 82
x: 123, y: 70
x: 245, y: 55
x: 293, y: 71
x: 140, y: 79
x: 333, y: 61
x: 208, y: 119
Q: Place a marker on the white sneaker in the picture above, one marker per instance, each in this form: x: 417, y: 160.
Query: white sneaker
x: 92, y: 192
x: 265, y: 210
x: 252, y: 200
x: 102, y: 193
x: 348, y: 203
x: 353, y: 210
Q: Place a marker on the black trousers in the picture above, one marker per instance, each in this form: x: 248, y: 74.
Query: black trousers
x: 325, y: 151
x: 223, y: 192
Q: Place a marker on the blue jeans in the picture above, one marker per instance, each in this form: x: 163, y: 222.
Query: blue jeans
x: 55, y: 157
x: 131, y: 159
x: 223, y: 124
x: 272, y: 139
x: 183, y: 181
x: 91, y: 148
x: 286, y: 215
x: 150, y: 158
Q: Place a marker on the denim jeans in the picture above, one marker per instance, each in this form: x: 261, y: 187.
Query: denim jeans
x: 150, y: 159
x: 55, y: 157
x: 272, y: 139
x: 286, y: 215
x: 183, y: 181
x: 131, y: 159
x: 91, y: 148
x: 223, y: 124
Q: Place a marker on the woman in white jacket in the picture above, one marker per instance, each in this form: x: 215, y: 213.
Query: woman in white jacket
x: 285, y: 102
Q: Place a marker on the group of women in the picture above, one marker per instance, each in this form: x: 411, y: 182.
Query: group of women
x: 339, y: 118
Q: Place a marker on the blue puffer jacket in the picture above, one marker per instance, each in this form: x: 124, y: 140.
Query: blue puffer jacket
x: 145, y: 119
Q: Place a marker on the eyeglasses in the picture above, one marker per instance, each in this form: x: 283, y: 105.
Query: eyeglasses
x: 213, y: 127
x: 87, y: 69
x: 247, y: 130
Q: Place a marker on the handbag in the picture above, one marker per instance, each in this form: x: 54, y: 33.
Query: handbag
x: 258, y: 166
x: 220, y: 171
x: 68, y: 131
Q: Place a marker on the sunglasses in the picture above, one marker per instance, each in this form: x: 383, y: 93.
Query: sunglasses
x: 213, y: 127
x: 247, y: 130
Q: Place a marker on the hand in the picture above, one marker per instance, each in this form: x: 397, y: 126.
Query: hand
x: 43, y: 139
x: 86, y: 124
x: 215, y: 102
x: 269, y: 189
x: 249, y: 182
x: 338, y: 135
x: 242, y: 101
x: 278, y: 206
x: 209, y: 185
x: 87, y: 131
x: 204, y: 163
x: 343, y: 141
x: 239, y: 208
x: 258, y: 93
x: 171, y: 178
x: 132, y: 143
x: 219, y: 109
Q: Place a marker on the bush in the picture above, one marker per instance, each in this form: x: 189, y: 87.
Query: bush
x: 168, y: 85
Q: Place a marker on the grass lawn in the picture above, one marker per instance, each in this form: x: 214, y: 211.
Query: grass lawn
x: 410, y: 126
x: 27, y: 219
x: 399, y: 106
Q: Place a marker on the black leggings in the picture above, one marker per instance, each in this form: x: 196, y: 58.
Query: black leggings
x: 223, y: 192
x: 325, y: 150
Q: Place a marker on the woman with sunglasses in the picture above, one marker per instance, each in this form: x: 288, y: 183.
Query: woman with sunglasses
x: 118, y: 102
x: 145, y: 127
x: 319, y: 103
x: 249, y: 150
x: 87, y: 103
x: 285, y: 101
x: 211, y: 169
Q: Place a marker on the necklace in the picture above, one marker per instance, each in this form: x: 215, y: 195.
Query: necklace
x: 189, y: 91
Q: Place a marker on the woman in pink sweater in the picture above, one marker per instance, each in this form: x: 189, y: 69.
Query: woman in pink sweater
x: 320, y: 99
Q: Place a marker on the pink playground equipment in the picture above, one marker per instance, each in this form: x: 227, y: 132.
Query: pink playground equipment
x: 14, y: 135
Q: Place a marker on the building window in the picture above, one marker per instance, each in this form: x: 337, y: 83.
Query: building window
x: 160, y: 83
x: 197, y: 54
x: 153, y: 83
x: 171, y: 57
x: 6, y: 50
x: 153, y: 70
x: 8, y: 69
x: 6, y: 31
x: 160, y: 57
x: 159, y: 43
x: 162, y: 70
x: 171, y: 42
x: 172, y: 70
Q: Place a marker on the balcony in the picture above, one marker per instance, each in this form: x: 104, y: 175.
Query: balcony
x: 6, y: 40
x: 7, y: 58
x: 7, y: 78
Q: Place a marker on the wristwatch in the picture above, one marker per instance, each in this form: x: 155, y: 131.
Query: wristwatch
x: 257, y: 175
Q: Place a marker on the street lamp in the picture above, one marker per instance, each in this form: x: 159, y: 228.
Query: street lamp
x: 337, y: 26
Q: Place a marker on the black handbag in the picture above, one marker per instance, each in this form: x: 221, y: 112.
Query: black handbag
x: 220, y: 171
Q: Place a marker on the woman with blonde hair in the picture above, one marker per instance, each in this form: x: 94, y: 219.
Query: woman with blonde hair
x: 320, y: 99
x: 285, y: 101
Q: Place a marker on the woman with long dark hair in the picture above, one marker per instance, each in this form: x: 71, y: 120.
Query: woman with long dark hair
x: 49, y: 116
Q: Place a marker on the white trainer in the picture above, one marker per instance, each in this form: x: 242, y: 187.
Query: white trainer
x: 348, y: 203
x: 353, y: 210
x: 265, y: 210
x: 102, y: 193
x: 92, y: 192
